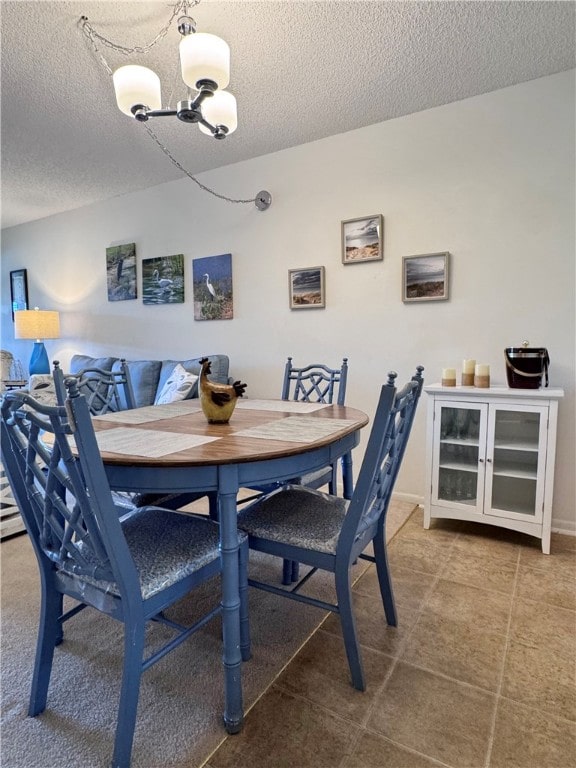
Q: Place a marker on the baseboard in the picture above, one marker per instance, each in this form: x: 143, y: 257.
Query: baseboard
x: 565, y: 527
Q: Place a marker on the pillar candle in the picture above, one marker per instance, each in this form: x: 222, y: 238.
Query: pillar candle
x: 482, y: 375
x: 448, y: 377
x: 468, y: 373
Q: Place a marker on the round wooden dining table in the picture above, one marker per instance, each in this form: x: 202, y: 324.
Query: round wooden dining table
x: 172, y: 448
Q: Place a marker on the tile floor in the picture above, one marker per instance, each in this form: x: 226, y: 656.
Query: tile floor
x: 480, y: 672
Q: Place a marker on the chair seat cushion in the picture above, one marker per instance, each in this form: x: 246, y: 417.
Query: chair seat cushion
x: 166, y: 546
x: 287, y: 514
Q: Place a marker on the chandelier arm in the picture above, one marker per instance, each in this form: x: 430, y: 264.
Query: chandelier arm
x: 261, y: 202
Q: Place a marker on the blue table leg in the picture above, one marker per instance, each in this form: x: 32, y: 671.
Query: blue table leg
x: 347, y: 476
x: 232, y: 657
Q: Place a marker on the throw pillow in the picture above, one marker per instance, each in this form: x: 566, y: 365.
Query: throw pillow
x: 177, y: 387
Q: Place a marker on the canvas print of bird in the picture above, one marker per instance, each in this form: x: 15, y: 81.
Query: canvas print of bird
x: 217, y: 400
x: 212, y: 285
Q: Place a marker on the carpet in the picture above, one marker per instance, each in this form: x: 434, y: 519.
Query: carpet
x: 181, y: 698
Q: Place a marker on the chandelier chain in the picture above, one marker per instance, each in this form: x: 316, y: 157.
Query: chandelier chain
x: 190, y: 176
x: 180, y: 8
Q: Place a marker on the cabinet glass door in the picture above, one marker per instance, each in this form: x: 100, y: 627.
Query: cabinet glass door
x: 514, y: 473
x: 458, y: 474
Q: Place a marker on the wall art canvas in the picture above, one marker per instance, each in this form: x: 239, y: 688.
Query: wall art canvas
x: 18, y: 290
x: 163, y: 280
x: 306, y: 288
x: 121, y: 272
x: 425, y: 278
x: 212, y: 285
x: 362, y: 239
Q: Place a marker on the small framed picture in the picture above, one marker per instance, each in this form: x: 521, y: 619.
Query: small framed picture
x: 307, y: 289
x: 18, y: 290
x: 362, y: 239
x: 426, y: 277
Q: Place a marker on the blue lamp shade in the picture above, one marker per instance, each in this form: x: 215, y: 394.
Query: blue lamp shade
x: 37, y: 324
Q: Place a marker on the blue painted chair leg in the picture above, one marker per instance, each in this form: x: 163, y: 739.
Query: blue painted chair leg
x: 344, y: 597
x: 287, y: 572
x: 130, y: 691
x: 245, y: 649
x: 295, y: 575
x: 384, y: 581
x: 60, y: 636
x: 49, y: 631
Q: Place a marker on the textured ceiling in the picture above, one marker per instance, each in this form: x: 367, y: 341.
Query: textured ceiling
x: 300, y: 71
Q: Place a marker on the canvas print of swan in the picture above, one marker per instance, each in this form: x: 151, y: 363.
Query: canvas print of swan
x: 212, y: 286
x: 121, y: 272
x: 163, y: 280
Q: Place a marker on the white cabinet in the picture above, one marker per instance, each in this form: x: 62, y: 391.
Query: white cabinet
x: 490, y: 456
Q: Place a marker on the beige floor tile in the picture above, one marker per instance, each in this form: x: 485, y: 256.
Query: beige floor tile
x: 470, y: 605
x: 377, y: 752
x: 464, y: 651
x: 527, y: 738
x: 440, y: 531
x: 440, y: 718
x: 547, y: 586
x: 320, y: 673
x: 561, y: 562
x: 559, y: 541
x: 417, y: 554
x: 285, y: 732
x: 544, y: 626
x: 410, y: 587
x: 482, y: 540
x: 481, y: 571
x: 541, y: 677
x: 373, y: 631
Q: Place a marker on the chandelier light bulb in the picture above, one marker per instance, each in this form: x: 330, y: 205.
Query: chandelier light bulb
x: 134, y: 84
x: 220, y: 109
x: 204, y: 57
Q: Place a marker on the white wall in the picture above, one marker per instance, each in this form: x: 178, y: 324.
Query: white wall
x: 489, y: 179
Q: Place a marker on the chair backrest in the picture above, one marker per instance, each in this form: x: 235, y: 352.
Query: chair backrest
x: 315, y: 383
x: 100, y: 387
x: 65, y: 499
x: 381, y: 464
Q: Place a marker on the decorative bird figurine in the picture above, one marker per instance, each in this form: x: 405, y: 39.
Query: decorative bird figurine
x: 217, y: 400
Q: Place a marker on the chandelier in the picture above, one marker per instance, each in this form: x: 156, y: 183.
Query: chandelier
x: 205, y: 70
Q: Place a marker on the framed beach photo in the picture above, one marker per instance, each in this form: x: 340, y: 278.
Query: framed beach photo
x: 362, y: 239
x: 307, y: 288
x: 426, y: 277
x: 18, y: 290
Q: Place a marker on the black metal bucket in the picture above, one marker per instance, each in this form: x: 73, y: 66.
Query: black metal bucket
x: 525, y: 367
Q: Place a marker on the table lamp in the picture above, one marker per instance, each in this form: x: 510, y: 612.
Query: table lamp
x: 37, y: 324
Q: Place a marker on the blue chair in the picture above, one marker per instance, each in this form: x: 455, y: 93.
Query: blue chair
x: 102, y: 389
x: 315, y: 383
x: 131, y: 569
x: 99, y: 387
x: 330, y: 533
